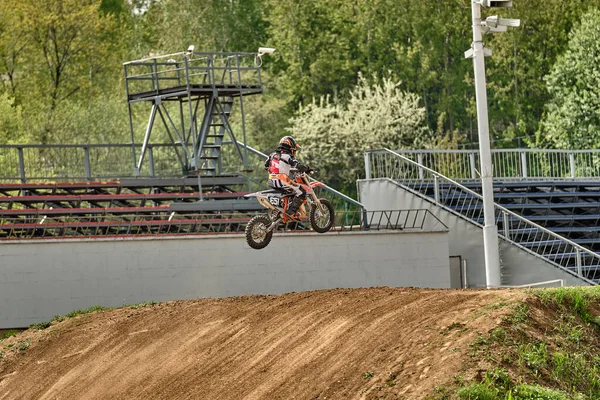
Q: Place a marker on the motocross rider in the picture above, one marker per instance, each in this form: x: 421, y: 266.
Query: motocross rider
x: 279, y: 163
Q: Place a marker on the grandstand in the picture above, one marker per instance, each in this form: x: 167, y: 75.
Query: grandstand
x: 546, y: 203
x: 193, y: 184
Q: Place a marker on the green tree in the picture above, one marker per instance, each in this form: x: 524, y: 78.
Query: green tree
x: 53, y: 55
x: 172, y: 25
x: 335, y: 134
x: 522, y: 58
x: 573, y: 118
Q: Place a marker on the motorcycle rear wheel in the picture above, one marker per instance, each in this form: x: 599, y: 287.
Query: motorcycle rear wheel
x: 257, y: 236
x: 322, y: 222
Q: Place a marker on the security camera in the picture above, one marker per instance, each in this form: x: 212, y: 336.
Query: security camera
x: 191, y: 48
x: 265, y: 50
x: 494, y: 22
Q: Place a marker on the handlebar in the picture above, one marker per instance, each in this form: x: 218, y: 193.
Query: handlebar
x: 310, y: 171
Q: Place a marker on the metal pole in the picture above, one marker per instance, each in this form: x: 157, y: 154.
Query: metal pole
x: 490, y: 230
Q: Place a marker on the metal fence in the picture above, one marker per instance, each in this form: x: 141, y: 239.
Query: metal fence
x: 46, y: 227
x: 468, y: 205
x: 511, y: 164
x: 185, y: 69
x: 30, y: 163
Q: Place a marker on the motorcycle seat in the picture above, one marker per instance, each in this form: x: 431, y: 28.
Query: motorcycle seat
x: 275, y: 191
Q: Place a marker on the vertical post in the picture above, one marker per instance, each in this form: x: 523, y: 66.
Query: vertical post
x: 524, y: 164
x: 436, y: 189
x: 367, y: 165
x: 490, y: 230
x: 420, y: 161
x: 86, y: 160
x: 194, y: 160
x: 579, y: 263
x: 22, y: 165
x: 151, y: 161
x: 506, y: 227
x: 572, y: 164
x: 147, y: 135
x: 473, y: 169
x: 136, y: 171
x: 239, y: 73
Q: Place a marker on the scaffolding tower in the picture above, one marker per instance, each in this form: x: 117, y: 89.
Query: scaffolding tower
x: 200, y: 89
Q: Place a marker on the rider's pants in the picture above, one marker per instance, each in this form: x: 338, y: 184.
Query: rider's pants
x: 286, y: 185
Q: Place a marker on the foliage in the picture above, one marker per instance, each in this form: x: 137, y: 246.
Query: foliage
x: 334, y: 135
x: 573, y: 117
x: 9, y: 333
x: 61, y: 74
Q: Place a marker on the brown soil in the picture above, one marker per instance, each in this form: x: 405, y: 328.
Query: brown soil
x: 377, y: 343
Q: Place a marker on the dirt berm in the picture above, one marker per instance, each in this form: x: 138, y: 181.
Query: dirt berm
x: 388, y: 343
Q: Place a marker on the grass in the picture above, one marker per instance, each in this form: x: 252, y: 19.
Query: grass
x: 72, y: 314
x: 7, y: 334
x: 142, y: 305
x: 546, y: 348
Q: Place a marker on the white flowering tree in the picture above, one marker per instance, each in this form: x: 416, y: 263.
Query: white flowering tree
x: 334, y: 135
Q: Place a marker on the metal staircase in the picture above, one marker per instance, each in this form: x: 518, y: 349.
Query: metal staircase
x: 193, y: 94
x: 468, y: 205
x: 211, y: 142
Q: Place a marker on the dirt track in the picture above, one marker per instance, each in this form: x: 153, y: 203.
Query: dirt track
x: 312, y: 345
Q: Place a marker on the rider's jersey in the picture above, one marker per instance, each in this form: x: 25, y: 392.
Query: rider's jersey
x: 280, y: 165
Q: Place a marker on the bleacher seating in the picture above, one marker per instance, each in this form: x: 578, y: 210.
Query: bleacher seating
x: 129, y: 206
x: 570, y: 209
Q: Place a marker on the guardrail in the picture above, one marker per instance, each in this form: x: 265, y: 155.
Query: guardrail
x: 48, y: 227
x: 511, y: 164
x: 95, y: 162
x: 185, y: 69
x: 32, y: 162
x: 468, y: 205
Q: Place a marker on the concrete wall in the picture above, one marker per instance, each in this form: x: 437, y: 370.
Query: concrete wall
x: 518, y: 267
x: 39, y: 280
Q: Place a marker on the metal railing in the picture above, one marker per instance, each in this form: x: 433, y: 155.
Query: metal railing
x: 338, y: 199
x: 71, y: 162
x: 468, y: 205
x: 31, y: 163
x: 184, y: 69
x: 47, y: 227
x: 511, y: 164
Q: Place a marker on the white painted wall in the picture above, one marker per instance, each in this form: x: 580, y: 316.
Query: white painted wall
x: 518, y: 267
x: 41, y: 279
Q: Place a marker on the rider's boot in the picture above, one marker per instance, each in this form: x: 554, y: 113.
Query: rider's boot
x: 294, y: 206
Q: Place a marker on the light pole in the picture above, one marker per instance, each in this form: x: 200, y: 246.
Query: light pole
x: 477, y: 52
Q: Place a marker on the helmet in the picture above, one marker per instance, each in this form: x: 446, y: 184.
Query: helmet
x: 289, y: 144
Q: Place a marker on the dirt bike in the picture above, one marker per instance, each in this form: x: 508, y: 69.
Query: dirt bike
x: 259, y: 230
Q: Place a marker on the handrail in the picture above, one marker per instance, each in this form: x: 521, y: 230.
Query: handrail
x: 505, y: 213
x: 512, y: 164
x: 166, y: 222
x: 517, y: 150
x: 326, y: 187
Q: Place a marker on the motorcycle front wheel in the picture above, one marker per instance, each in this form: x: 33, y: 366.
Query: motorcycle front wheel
x: 322, y: 221
x: 257, y: 236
